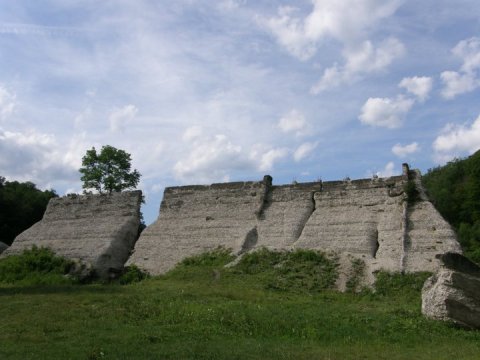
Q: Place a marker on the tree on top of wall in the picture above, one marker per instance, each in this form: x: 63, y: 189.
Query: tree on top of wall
x: 108, y: 171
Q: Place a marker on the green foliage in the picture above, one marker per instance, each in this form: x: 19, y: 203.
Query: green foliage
x: 357, y: 272
x: 21, y: 206
x: 176, y: 316
x: 217, y: 257
x: 397, y: 284
x: 132, y: 274
x: 108, y: 171
x: 299, y: 270
x: 34, y: 266
x: 455, y: 191
x: 412, y: 192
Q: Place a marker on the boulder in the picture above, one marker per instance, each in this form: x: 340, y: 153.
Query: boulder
x: 453, y: 293
x: 97, y: 230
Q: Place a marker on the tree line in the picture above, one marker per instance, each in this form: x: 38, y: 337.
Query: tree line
x: 454, y: 189
x: 21, y: 206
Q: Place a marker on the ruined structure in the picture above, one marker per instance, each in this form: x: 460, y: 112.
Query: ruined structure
x: 97, y: 230
x: 370, y: 219
x: 453, y: 293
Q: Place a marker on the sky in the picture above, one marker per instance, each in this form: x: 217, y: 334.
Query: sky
x: 205, y: 91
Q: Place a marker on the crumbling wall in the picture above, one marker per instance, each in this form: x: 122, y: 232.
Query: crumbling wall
x: 369, y: 219
x: 195, y: 219
x: 99, y: 230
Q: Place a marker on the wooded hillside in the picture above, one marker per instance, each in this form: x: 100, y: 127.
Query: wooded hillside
x: 455, y: 191
x: 21, y: 206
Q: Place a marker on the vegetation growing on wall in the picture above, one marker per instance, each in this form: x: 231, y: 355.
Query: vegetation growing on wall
x: 455, y: 191
x: 108, y: 171
x: 21, y: 206
x: 412, y: 192
x: 357, y: 272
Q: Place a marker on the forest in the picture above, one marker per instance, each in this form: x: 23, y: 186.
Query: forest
x: 21, y: 206
x: 454, y: 189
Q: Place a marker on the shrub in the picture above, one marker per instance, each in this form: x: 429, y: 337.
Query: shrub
x: 217, y: 257
x: 132, y: 274
x: 299, y: 270
x: 35, y: 266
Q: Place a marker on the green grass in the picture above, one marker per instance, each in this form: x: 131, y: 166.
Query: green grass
x: 201, y: 310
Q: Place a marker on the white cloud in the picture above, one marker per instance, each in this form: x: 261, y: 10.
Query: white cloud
x: 345, y: 21
x: 457, y: 139
x: 290, y: 33
x: 7, y: 103
x: 366, y: 58
x: 215, y: 158
x: 458, y: 83
x: 33, y: 156
x: 469, y: 51
x: 210, y: 159
x: 403, y: 151
x: 294, y: 121
x: 465, y: 80
x: 119, y: 118
x: 388, y: 170
x: 192, y: 133
x: 268, y: 159
x: 420, y: 86
x: 359, y: 61
x: 385, y: 112
x: 304, y: 150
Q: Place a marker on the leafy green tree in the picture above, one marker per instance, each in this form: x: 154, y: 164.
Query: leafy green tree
x: 21, y: 206
x: 455, y: 191
x: 108, y: 171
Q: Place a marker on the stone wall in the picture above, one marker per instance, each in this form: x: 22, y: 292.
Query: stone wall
x: 99, y: 230
x: 368, y: 219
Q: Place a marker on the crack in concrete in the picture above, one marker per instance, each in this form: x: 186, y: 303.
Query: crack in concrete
x: 303, y: 225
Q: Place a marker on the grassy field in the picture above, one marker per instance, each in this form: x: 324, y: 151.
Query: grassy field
x: 200, y: 310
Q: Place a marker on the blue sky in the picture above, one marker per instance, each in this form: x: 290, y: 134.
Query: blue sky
x: 208, y: 91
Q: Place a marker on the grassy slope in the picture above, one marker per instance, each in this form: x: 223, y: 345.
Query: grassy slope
x: 203, y: 311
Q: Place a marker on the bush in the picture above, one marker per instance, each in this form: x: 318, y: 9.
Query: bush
x: 132, y: 274
x: 35, y: 266
x: 217, y: 257
x: 299, y: 270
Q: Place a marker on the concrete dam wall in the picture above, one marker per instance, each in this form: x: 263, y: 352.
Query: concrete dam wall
x: 99, y: 230
x: 369, y: 219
